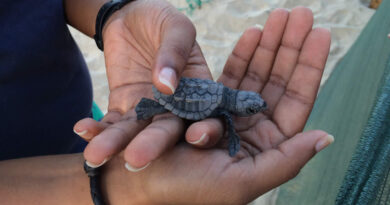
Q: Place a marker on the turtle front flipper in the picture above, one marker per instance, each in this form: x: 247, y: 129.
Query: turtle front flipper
x: 148, y: 108
x: 234, y: 139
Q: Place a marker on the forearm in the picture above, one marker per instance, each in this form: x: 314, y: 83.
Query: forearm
x: 81, y: 14
x: 56, y: 179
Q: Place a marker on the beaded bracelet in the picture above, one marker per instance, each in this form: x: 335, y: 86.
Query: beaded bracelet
x: 94, y: 182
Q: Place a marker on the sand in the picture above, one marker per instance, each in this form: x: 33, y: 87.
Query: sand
x: 220, y: 23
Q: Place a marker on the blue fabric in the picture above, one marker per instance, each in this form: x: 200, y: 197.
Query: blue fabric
x: 45, y: 86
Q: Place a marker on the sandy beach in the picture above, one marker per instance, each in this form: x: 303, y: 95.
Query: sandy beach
x: 220, y: 23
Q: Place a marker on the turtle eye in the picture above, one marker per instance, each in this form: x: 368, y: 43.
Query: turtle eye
x: 251, y: 110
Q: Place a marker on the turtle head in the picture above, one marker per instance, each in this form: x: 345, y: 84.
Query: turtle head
x: 248, y: 103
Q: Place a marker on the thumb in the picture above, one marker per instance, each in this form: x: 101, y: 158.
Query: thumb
x: 177, y: 39
x: 278, y: 166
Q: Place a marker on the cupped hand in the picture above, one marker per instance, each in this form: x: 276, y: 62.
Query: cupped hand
x: 145, y: 43
x: 284, y: 63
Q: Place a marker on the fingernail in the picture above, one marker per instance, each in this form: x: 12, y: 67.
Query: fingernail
x: 259, y: 26
x: 168, y: 77
x: 96, y: 165
x: 202, y: 140
x: 134, y: 169
x: 82, y: 133
x: 324, y: 142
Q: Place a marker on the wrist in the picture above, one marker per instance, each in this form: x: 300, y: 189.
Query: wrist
x: 82, y: 14
x: 119, y: 186
x: 105, y: 12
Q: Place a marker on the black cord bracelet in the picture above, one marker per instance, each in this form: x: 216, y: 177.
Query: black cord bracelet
x: 94, y: 182
x: 104, y: 13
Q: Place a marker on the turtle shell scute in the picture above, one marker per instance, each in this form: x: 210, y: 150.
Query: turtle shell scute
x: 194, y: 99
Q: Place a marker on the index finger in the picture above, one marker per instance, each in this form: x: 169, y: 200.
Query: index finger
x: 295, y: 105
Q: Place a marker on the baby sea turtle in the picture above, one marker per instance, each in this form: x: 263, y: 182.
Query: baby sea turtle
x: 197, y: 99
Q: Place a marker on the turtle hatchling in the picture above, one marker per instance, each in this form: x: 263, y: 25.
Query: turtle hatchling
x: 197, y: 99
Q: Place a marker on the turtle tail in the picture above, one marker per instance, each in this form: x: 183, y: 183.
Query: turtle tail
x: 147, y: 108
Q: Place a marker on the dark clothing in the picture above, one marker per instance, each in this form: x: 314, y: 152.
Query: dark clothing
x: 45, y: 86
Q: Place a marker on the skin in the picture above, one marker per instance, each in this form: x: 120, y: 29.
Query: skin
x: 140, y: 40
x: 284, y: 63
x: 273, y: 147
x: 285, y: 69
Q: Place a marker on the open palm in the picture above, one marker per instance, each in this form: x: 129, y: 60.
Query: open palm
x: 284, y: 63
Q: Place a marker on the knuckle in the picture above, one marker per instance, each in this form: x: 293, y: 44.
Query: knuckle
x: 160, y: 129
x: 293, y: 166
x: 255, y: 76
x: 277, y: 80
x: 230, y: 73
x: 296, y: 95
x: 180, y: 51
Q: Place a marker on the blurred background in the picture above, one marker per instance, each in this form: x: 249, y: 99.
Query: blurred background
x: 220, y: 23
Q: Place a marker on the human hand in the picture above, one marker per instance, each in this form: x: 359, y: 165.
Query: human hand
x: 146, y: 42
x: 284, y: 63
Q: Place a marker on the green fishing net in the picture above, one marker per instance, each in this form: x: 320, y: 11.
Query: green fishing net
x: 192, y: 5
x: 367, y: 179
x: 354, y: 106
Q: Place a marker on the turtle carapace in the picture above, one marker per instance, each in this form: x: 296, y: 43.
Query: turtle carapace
x: 197, y: 99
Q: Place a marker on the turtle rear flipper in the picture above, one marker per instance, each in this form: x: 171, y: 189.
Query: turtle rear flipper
x: 148, y: 108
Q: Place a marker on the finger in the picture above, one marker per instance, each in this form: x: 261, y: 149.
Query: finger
x: 113, y: 139
x: 299, y: 25
x: 88, y: 128
x: 154, y: 140
x: 239, y: 59
x: 205, y: 133
x: 112, y: 116
x: 177, y: 40
x: 196, y: 65
x: 295, y: 105
x: 276, y: 166
x: 262, y: 61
